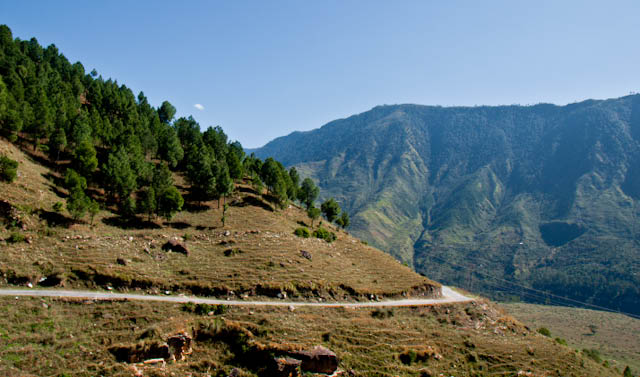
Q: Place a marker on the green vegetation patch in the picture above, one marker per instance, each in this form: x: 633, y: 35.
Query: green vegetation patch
x: 324, y: 234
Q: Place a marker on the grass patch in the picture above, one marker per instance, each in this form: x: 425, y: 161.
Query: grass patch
x: 89, y: 338
x: 204, y: 309
x: 324, y: 234
x: 302, y: 232
x: 613, y: 335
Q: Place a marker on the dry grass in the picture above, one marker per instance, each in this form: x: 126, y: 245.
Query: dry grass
x: 615, y: 336
x: 269, y: 260
x: 74, y: 337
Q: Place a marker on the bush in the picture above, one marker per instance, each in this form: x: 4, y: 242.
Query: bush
x: 561, y: 341
x: 302, y: 232
x: 382, y: 314
x: 593, y: 354
x: 58, y: 206
x: 15, y: 237
x: 544, y: 331
x: 8, y: 169
x: 204, y: 309
x: 232, y: 252
x: 324, y: 234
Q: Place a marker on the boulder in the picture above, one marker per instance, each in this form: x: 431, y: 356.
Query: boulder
x: 179, y: 346
x: 286, y: 367
x: 305, y: 254
x: 175, y: 246
x: 318, y: 360
x: 139, y: 352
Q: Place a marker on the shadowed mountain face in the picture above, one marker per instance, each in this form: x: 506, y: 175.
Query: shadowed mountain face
x: 545, y: 196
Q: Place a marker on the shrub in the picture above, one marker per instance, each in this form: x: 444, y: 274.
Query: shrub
x: 302, y: 232
x: 204, y: 309
x: 593, y: 354
x: 15, y: 237
x: 8, y: 169
x: 382, y: 314
x: 58, y: 206
x: 544, y: 331
x: 232, y: 252
x: 561, y: 341
x: 324, y: 234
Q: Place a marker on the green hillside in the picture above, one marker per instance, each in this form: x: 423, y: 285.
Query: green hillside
x: 545, y: 196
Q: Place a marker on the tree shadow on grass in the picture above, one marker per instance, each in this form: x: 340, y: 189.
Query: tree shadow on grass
x: 247, y: 190
x: 195, y: 207
x: 130, y: 223
x: 253, y: 201
x: 202, y: 227
x: 55, y: 218
x: 177, y: 224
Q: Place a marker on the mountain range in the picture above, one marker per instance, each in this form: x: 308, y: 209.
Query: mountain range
x: 538, y: 203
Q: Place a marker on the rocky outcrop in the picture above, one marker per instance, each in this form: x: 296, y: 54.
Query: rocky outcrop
x: 175, y: 246
x: 286, y: 367
x: 317, y: 360
x: 179, y: 346
x: 175, y: 348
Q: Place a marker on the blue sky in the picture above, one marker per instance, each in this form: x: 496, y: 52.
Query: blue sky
x: 262, y: 69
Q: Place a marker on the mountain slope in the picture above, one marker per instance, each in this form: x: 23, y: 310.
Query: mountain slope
x: 543, y: 195
x: 253, y: 254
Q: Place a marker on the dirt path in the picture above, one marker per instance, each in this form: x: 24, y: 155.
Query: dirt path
x: 449, y: 296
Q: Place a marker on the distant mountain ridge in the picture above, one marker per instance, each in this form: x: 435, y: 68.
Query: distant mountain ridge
x: 543, y: 195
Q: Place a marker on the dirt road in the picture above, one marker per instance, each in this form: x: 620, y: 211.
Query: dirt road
x: 449, y: 296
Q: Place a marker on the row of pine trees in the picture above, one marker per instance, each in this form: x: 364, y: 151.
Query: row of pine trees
x: 114, y: 146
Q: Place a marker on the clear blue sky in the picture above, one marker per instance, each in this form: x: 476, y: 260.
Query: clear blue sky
x: 262, y: 69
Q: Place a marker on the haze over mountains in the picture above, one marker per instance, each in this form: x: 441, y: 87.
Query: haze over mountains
x: 545, y: 196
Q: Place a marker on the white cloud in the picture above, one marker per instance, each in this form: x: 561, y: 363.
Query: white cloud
x: 198, y: 106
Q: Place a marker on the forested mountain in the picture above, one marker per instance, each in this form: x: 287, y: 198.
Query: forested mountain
x: 545, y: 196
x: 112, y: 149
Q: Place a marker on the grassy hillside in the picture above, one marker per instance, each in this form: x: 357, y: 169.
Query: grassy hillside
x: 61, y: 337
x: 256, y: 253
x: 545, y: 196
x: 615, y: 336
x: 64, y: 337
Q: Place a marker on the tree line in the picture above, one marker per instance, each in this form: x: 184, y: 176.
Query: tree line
x: 114, y: 145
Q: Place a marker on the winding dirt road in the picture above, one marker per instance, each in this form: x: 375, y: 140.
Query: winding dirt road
x: 449, y: 296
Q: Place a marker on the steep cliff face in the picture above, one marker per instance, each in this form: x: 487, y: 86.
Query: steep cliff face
x: 542, y: 195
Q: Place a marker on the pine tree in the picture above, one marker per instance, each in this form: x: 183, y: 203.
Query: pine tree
x: 330, y: 209
x: 343, y: 220
x: 57, y: 143
x: 147, y: 202
x: 313, y: 214
x: 8, y: 169
x: 201, y: 173
x: 120, y: 178
x: 166, y: 112
x: 86, y: 160
x: 308, y: 192
x: 224, y: 183
x: 77, y: 203
x: 169, y: 202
